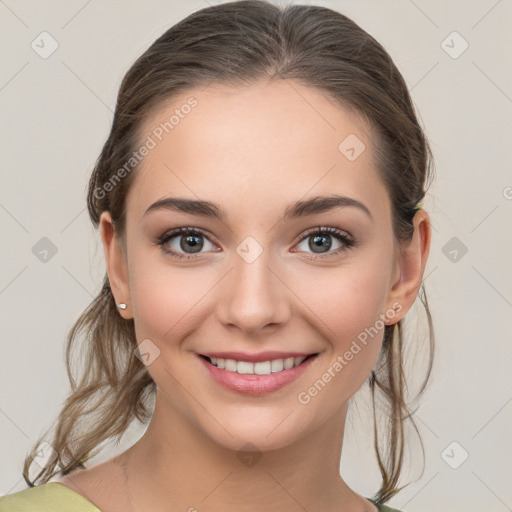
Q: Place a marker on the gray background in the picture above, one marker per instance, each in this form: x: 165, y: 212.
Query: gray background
x: 55, y: 115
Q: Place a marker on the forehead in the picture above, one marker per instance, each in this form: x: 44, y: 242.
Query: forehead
x: 270, y: 142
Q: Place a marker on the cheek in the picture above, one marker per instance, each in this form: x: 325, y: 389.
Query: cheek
x: 169, y: 301
x: 345, y: 300
x: 152, y: 292
x: 347, y: 307
x: 165, y: 300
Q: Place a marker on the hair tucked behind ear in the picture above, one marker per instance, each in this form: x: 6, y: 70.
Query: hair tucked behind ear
x: 389, y: 379
x: 239, y: 43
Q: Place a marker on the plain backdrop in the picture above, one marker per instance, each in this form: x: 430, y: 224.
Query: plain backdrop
x: 56, y: 111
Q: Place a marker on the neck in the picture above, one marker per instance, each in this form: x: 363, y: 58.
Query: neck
x: 175, y: 463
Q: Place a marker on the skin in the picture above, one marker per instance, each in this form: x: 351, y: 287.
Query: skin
x: 253, y: 151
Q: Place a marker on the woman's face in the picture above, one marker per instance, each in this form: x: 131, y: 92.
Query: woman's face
x: 254, y: 277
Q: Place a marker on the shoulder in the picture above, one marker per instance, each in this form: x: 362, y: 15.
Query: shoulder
x: 385, y: 508
x: 49, y: 497
x: 382, y: 507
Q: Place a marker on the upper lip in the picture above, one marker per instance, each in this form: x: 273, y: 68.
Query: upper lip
x: 255, y: 358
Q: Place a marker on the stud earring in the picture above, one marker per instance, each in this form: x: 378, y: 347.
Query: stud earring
x: 121, y: 306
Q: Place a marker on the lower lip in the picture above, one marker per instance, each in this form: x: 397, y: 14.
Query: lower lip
x: 256, y: 384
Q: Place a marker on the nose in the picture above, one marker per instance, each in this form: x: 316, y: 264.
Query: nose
x: 254, y: 297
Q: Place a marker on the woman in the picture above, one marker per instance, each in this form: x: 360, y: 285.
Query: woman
x: 259, y: 204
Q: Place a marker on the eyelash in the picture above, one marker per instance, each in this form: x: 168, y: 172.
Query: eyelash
x: 346, y: 241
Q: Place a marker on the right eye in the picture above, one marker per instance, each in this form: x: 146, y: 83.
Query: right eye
x: 184, y: 239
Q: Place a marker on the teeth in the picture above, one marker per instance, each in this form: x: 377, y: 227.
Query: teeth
x: 261, y: 368
x: 277, y: 365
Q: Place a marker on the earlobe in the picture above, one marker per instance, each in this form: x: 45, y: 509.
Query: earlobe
x: 116, y: 264
x: 412, y: 259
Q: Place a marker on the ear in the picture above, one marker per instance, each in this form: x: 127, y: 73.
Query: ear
x: 117, y: 268
x: 410, y: 265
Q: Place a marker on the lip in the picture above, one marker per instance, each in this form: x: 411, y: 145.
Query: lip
x: 255, y: 358
x: 256, y: 384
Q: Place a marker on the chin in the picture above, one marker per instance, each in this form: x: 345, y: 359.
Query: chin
x: 254, y: 431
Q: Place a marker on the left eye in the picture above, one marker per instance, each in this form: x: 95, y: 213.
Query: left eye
x: 184, y: 239
x: 321, y: 239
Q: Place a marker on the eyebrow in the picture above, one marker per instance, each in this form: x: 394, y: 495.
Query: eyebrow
x: 315, y: 205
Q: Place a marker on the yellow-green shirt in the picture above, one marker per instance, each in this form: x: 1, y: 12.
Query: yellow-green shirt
x: 56, y: 497
x: 49, y: 497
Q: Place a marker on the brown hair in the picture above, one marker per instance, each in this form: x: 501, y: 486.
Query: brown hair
x: 238, y: 43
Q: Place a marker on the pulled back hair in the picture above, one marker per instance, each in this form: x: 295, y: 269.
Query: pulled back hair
x: 238, y: 44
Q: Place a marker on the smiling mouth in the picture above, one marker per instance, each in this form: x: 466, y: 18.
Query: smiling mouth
x: 259, y: 368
